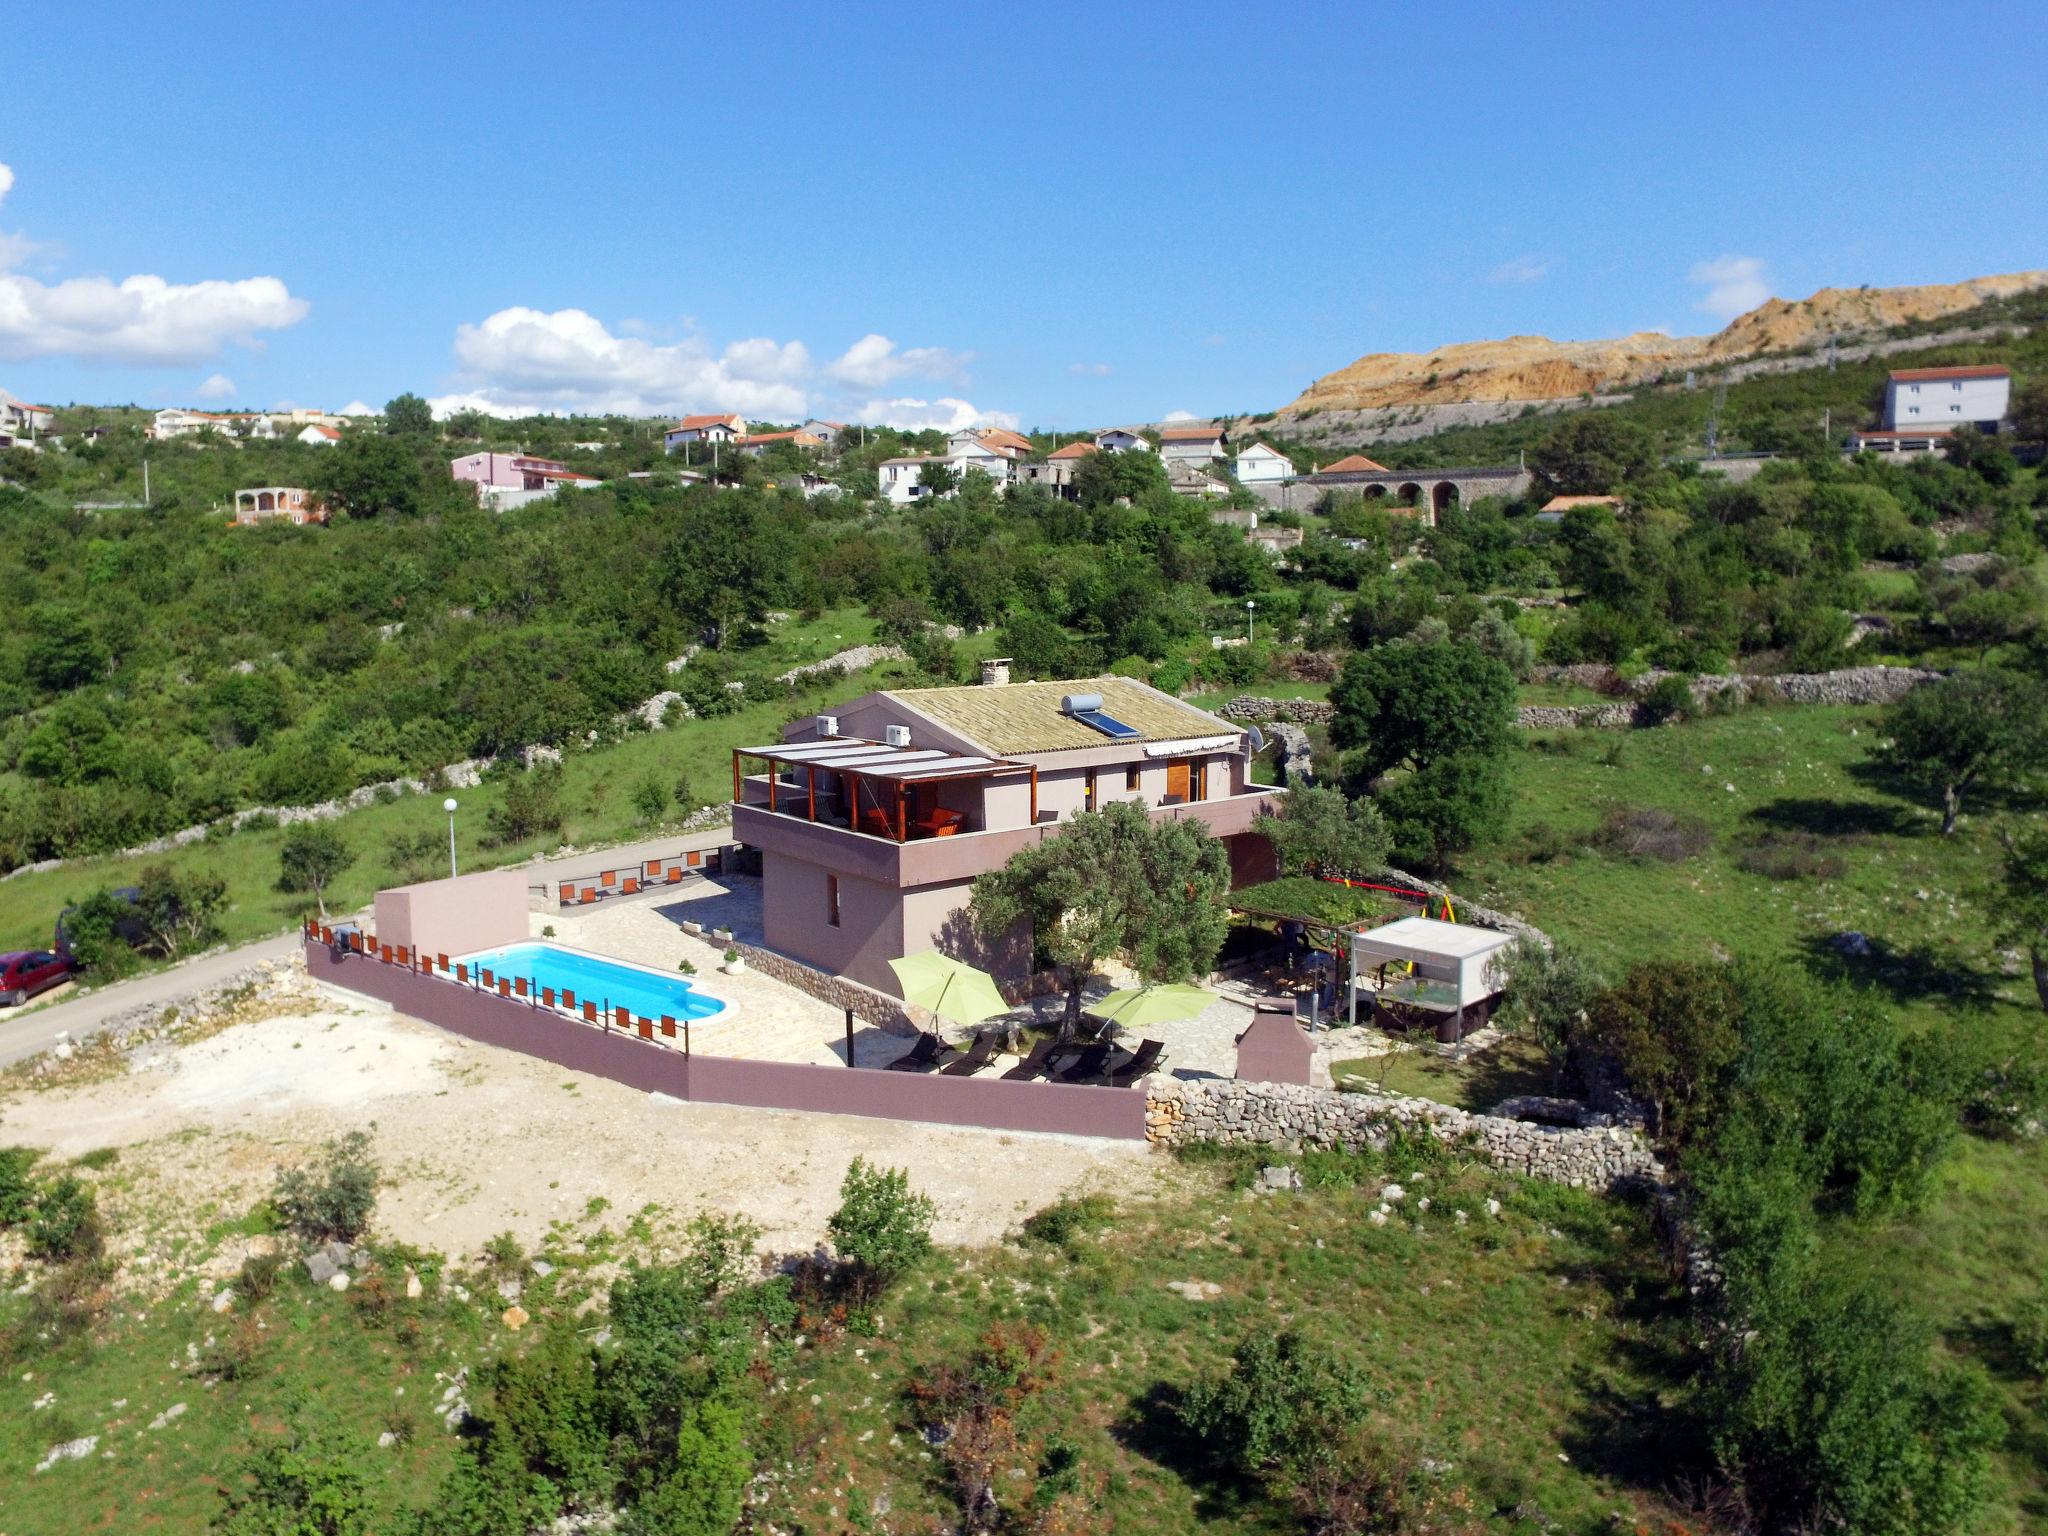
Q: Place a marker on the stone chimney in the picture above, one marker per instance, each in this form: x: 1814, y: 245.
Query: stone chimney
x: 995, y: 672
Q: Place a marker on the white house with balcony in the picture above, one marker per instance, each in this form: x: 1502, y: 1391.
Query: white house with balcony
x: 1122, y: 440
x: 1262, y: 464
x: 1942, y: 399
x: 722, y: 428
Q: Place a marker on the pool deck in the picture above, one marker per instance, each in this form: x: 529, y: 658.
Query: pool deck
x: 770, y: 1021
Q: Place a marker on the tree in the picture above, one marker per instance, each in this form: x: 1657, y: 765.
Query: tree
x: 1981, y: 454
x: 1104, y: 478
x: 61, y: 650
x: 2023, y: 900
x: 1673, y: 1030
x: 1111, y: 882
x: 880, y: 1229
x: 1591, y: 453
x: 650, y: 799
x: 366, y: 475
x: 938, y: 478
x: 408, y: 416
x: 310, y: 857
x: 1979, y: 727
x: 1320, y: 829
x: 180, y: 913
x: 313, y: 1483
x: 1409, y: 705
x: 1550, y: 991
x: 2030, y: 412
x: 1454, y: 804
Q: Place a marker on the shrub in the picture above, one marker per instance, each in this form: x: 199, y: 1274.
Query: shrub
x: 336, y: 1203
x: 259, y: 1276
x: 1281, y: 1396
x: 311, y: 1484
x: 1645, y: 832
x: 2030, y: 1332
x: 1068, y: 1218
x: 980, y: 1403
x: 684, y: 793
x: 880, y: 1228
x: 1549, y: 992
x: 17, y: 1191
x: 1669, y: 698
x: 65, y: 1224
x: 532, y: 805
x: 650, y: 799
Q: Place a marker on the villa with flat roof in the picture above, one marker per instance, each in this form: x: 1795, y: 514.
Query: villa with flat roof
x: 873, y: 821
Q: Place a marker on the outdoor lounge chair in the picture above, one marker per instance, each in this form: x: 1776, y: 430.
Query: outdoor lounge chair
x: 1090, y: 1064
x: 976, y: 1058
x: 1034, y: 1065
x: 929, y: 1053
x: 1133, y: 1066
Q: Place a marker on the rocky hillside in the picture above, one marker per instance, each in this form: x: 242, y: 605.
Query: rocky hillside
x: 1526, y: 368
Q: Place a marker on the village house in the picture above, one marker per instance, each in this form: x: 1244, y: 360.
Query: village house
x: 1262, y: 464
x: 267, y: 502
x: 1353, y: 464
x: 1195, y: 445
x: 703, y: 429
x: 317, y: 435
x: 1056, y: 471
x: 1122, y: 440
x: 826, y: 432
x: 1923, y: 405
x: 873, y: 821
x: 755, y: 444
x: 902, y: 479
x: 507, y: 480
x: 19, y: 419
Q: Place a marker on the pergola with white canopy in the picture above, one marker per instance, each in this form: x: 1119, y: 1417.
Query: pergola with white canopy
x: 1435, y: 966
x: 889, y: 773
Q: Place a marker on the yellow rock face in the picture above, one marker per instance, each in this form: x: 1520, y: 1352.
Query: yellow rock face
x: 1537, y: 368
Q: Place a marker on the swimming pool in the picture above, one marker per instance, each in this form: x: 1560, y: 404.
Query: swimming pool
x: 607, y: 983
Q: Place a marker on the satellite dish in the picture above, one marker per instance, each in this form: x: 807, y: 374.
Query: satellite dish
x: 1258, y: 740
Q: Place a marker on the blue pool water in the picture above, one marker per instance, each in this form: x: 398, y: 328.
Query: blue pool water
x: 607, y: 983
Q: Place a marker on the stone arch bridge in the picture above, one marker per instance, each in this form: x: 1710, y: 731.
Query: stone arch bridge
x: 1424, y: 491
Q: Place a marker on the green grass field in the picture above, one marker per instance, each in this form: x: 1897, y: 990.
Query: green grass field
x: 1927, y: 905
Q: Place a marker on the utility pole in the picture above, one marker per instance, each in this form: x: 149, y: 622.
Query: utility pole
x: 145, y: 482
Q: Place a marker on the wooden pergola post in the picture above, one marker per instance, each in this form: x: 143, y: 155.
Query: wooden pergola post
x: 902, y: 815
x: 812, y: 771
x: 735, y: 775
x: 1034, y: 794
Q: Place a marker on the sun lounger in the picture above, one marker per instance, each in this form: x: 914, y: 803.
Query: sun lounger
x: 1034, y: 1065
x: 976, y: 1058
x: 929, y: 1053
x: 1134, y: 1066
x: 1091, y: 1063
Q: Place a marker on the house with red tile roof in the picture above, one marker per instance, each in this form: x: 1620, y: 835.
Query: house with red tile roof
x: 1056, y: 471
x: 754, y: 444
x: 1942, y: 399
x: 722, y: 428
x: 1199, y: 444
x: 1353, y: 464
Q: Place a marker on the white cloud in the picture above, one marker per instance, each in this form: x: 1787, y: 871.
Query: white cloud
x: 874, y: 361
x: 1733, y: 283
x: 140, y: 320
x: 218, y: 386
x: 1180, y: 416
x: 1090, y: 370
x: 946, y: 413
x: 356, y: 408
x: 519, y: 361
x: 1521, y: 269
x: 6, y: 180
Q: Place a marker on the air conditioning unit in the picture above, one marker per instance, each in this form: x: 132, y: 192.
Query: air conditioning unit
x: 828, y: 725
x: 896, y: 735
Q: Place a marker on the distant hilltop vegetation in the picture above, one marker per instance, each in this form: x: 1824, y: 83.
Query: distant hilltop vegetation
x: 1524, y: 368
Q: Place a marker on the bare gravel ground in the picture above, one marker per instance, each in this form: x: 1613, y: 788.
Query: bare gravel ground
x: 475, y: 1141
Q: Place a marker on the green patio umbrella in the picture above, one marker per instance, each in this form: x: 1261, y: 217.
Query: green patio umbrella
x: 1139, y: 1008
x: 948, y: 987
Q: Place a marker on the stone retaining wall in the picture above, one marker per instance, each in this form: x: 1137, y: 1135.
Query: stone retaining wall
x: 1284, y: 1115
x: 1251, y: 706
x: 1849, y: 686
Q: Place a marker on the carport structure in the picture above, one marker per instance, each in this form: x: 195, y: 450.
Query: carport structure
x: 1453, y: 970
x: 870, y: 787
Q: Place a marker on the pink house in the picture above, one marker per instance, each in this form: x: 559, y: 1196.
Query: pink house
x: 873, y: 821
x: 516, y: 472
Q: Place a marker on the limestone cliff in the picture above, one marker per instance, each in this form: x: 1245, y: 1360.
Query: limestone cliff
x: 1537, y: 368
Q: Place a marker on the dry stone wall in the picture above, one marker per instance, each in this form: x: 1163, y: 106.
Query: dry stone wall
x: 1251, y: 706
x: 1283, y: 1115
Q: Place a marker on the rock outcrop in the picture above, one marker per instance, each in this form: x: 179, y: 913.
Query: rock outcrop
x: 1520, y: 368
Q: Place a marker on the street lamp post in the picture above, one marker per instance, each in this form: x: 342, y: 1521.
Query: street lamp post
x: 1249, y: 605
x: 448, y: 805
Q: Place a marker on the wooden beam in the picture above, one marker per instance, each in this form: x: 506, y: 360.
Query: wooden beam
x: 735, y: 775
x: 1034, y: 794
x: 902, y: 817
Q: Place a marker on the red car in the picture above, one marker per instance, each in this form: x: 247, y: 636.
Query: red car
x: 25, y: 972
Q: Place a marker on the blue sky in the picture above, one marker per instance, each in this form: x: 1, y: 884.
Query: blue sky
x: 1052, y: 215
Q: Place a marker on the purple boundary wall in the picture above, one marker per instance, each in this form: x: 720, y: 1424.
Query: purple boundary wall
x: 987, y: 1103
